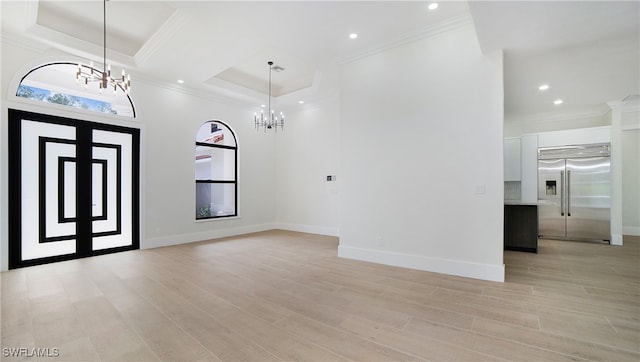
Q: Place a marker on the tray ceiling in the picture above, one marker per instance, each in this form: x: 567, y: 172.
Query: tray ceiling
x: 586, y: 50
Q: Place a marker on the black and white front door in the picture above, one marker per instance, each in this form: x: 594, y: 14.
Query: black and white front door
x: 73, y: 188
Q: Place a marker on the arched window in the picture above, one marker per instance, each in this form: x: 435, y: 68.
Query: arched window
x: 216, y: 171
x: 56, y: 83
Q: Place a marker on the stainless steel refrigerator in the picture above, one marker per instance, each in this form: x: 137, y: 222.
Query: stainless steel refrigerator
x: 574, y: 192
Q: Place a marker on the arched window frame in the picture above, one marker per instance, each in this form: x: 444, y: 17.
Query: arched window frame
x: 53, y: 89
x: 220, y: 178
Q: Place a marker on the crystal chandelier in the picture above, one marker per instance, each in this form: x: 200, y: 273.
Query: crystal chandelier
x: 270, y: 121
x: 89, y: 74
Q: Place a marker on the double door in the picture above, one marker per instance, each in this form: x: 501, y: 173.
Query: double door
x: 73, y: 188
x: 574, y: 198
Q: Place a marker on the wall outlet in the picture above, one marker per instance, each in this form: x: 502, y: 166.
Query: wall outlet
x: 378, y: 241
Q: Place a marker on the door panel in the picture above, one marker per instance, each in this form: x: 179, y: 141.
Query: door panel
x: 551, y: 219
x: 48, y: 223
x: 73, y: 188
x: 116, y: 229
x: 589, y: 201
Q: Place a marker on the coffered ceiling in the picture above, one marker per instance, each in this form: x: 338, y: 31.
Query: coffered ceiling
x: 587, y: 51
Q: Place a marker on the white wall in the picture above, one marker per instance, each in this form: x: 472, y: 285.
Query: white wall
x: 307, y: 152
x: 420, y: 134
x: 170, y: 188
x: 631, y: 173
x: 169, y: 117
x: 19, y: 56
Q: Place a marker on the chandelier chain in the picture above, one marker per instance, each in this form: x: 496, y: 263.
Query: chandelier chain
x: 104, y: 44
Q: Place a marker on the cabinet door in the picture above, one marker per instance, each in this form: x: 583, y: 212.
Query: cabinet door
x: 529, y: 167
x: 512, y: 159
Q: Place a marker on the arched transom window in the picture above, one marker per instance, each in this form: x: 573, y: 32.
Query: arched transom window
x: 56, y: 83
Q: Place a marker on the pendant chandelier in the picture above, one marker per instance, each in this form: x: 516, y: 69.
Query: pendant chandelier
x: 89, y: 74
x: 270, y: 121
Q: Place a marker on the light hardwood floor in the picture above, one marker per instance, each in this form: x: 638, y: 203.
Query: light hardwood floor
x: 286, y: 296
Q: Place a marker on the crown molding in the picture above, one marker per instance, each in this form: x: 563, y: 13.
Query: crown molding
x: 210, y: 92
x: 410, y: 37
x: 38, y: 47
x: 36, y: 33
x: 31, y: 9
x: 77, y: 47
x: 168, y: 29
x: 558, y: 116
x: 318, y: 102
x: 201, y: 92
x: 24, y: 42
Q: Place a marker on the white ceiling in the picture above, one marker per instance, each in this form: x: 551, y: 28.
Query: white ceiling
x: 587, y: 51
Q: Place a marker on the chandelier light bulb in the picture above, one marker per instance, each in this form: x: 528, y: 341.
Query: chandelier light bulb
x: 271, y: 121
x: 103, y: 77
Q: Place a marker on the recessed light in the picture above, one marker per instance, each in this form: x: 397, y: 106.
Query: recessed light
x: 543, y: 87
x: 557, y: 102
x: 180, y: 81
x: 433, y: 6
x: 301, y: 102
x: 263, y: 105
x: 353, y: 35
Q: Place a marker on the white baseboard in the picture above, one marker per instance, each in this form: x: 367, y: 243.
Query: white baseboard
x: 419, y: 262
x: 311, y: 229
x: 631, y: 230
x: 200, y: 236
x: 616, y: 240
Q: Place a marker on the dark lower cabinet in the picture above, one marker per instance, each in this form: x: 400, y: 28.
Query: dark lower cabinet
x: 521, y: 228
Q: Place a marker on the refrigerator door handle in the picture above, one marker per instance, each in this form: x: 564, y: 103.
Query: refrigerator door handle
x: 562, y: 193
x: 568, y: 193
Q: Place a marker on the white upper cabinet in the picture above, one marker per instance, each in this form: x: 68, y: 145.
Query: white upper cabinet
x: 512, y: 170
x: 529, y: 167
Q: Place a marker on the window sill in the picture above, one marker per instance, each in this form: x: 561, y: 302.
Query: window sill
x: 218, y: 219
